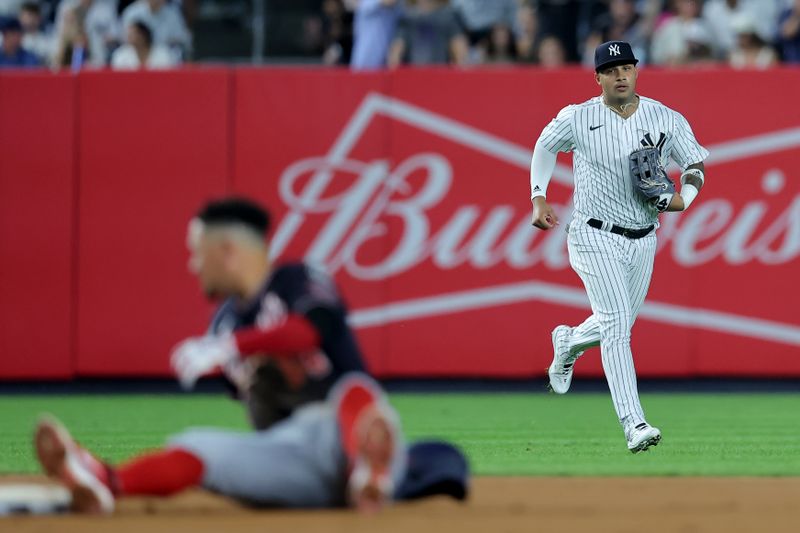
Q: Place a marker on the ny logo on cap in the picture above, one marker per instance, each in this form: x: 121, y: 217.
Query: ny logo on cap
x: 613, y: 49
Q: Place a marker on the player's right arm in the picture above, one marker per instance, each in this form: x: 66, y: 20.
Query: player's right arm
x: 556, y: 137
x: 543, y: 163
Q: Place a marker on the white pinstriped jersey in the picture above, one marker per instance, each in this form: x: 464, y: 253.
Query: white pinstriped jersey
x: 602, y: 141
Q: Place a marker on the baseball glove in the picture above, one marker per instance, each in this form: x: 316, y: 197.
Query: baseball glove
x: 650, y: 178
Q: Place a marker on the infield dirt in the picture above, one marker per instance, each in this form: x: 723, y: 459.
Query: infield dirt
x: 497, y: 504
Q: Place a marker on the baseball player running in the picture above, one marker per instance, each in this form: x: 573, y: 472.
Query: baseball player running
x: 281, y: 335
x: 621, y: 142
x: 347, y: 450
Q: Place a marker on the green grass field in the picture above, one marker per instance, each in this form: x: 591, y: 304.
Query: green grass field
x: 504, y: 434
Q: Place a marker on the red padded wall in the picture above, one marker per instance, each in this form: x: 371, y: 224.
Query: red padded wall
x: 368, y: 174
x: 37, y: 172
x: 152, y: 148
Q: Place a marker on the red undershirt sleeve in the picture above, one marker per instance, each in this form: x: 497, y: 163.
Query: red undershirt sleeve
x: 294, y: 336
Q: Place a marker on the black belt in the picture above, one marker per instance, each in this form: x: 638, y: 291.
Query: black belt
x: 619, y: 230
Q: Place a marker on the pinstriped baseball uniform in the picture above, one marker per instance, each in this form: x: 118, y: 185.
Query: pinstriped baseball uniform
x: 615, y: 270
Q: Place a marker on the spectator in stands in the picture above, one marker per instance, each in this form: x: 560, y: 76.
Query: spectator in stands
x: 560, y: 19
x: 652, y: 13
x: 92, y: 21
x: 750, y: 51
x: 719, y: 15
x: 620, y: 23
x: 789, y: 33
x: 374, y: 25
x: 72, y: 46
x: 34, y: 39
x: 337, y: 30
x: 699, y: 51
x: 429, y: 34
x: 166, y: 21
x: 139, y: 52
x: 189, y: 8
x: 527, y: 26
x: 670, y: 46
x: 12, y: 54
x: 479, y: 18
x: 551, y: 53
x: 500, y: 48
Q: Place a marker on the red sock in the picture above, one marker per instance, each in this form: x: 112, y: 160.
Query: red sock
x: 354, y: 401
x: 160, y: 473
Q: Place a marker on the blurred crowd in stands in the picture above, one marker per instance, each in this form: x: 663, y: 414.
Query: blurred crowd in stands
x: 376, y: 34
x: 75, y: 34
x: 370, y: 34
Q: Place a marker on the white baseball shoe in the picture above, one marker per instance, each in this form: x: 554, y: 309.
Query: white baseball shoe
x: 370, y: 435
x: 369, y: 485
x: 560, y: 371
x: 64, y: 460
x: 642, y: 437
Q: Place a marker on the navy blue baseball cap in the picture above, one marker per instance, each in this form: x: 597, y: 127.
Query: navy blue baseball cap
x: 613, y: 53
x: 434, y: 467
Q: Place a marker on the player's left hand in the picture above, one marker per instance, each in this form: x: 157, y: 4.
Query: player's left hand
x: 650, y: 178
x: 198, y: 356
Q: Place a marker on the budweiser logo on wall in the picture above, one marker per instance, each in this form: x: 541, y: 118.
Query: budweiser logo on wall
x: 432, y: 215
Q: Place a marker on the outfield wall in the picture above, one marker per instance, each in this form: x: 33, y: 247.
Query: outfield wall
x: 410, y: 186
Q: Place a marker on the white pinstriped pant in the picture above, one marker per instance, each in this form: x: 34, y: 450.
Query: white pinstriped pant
x: 616, y: 272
